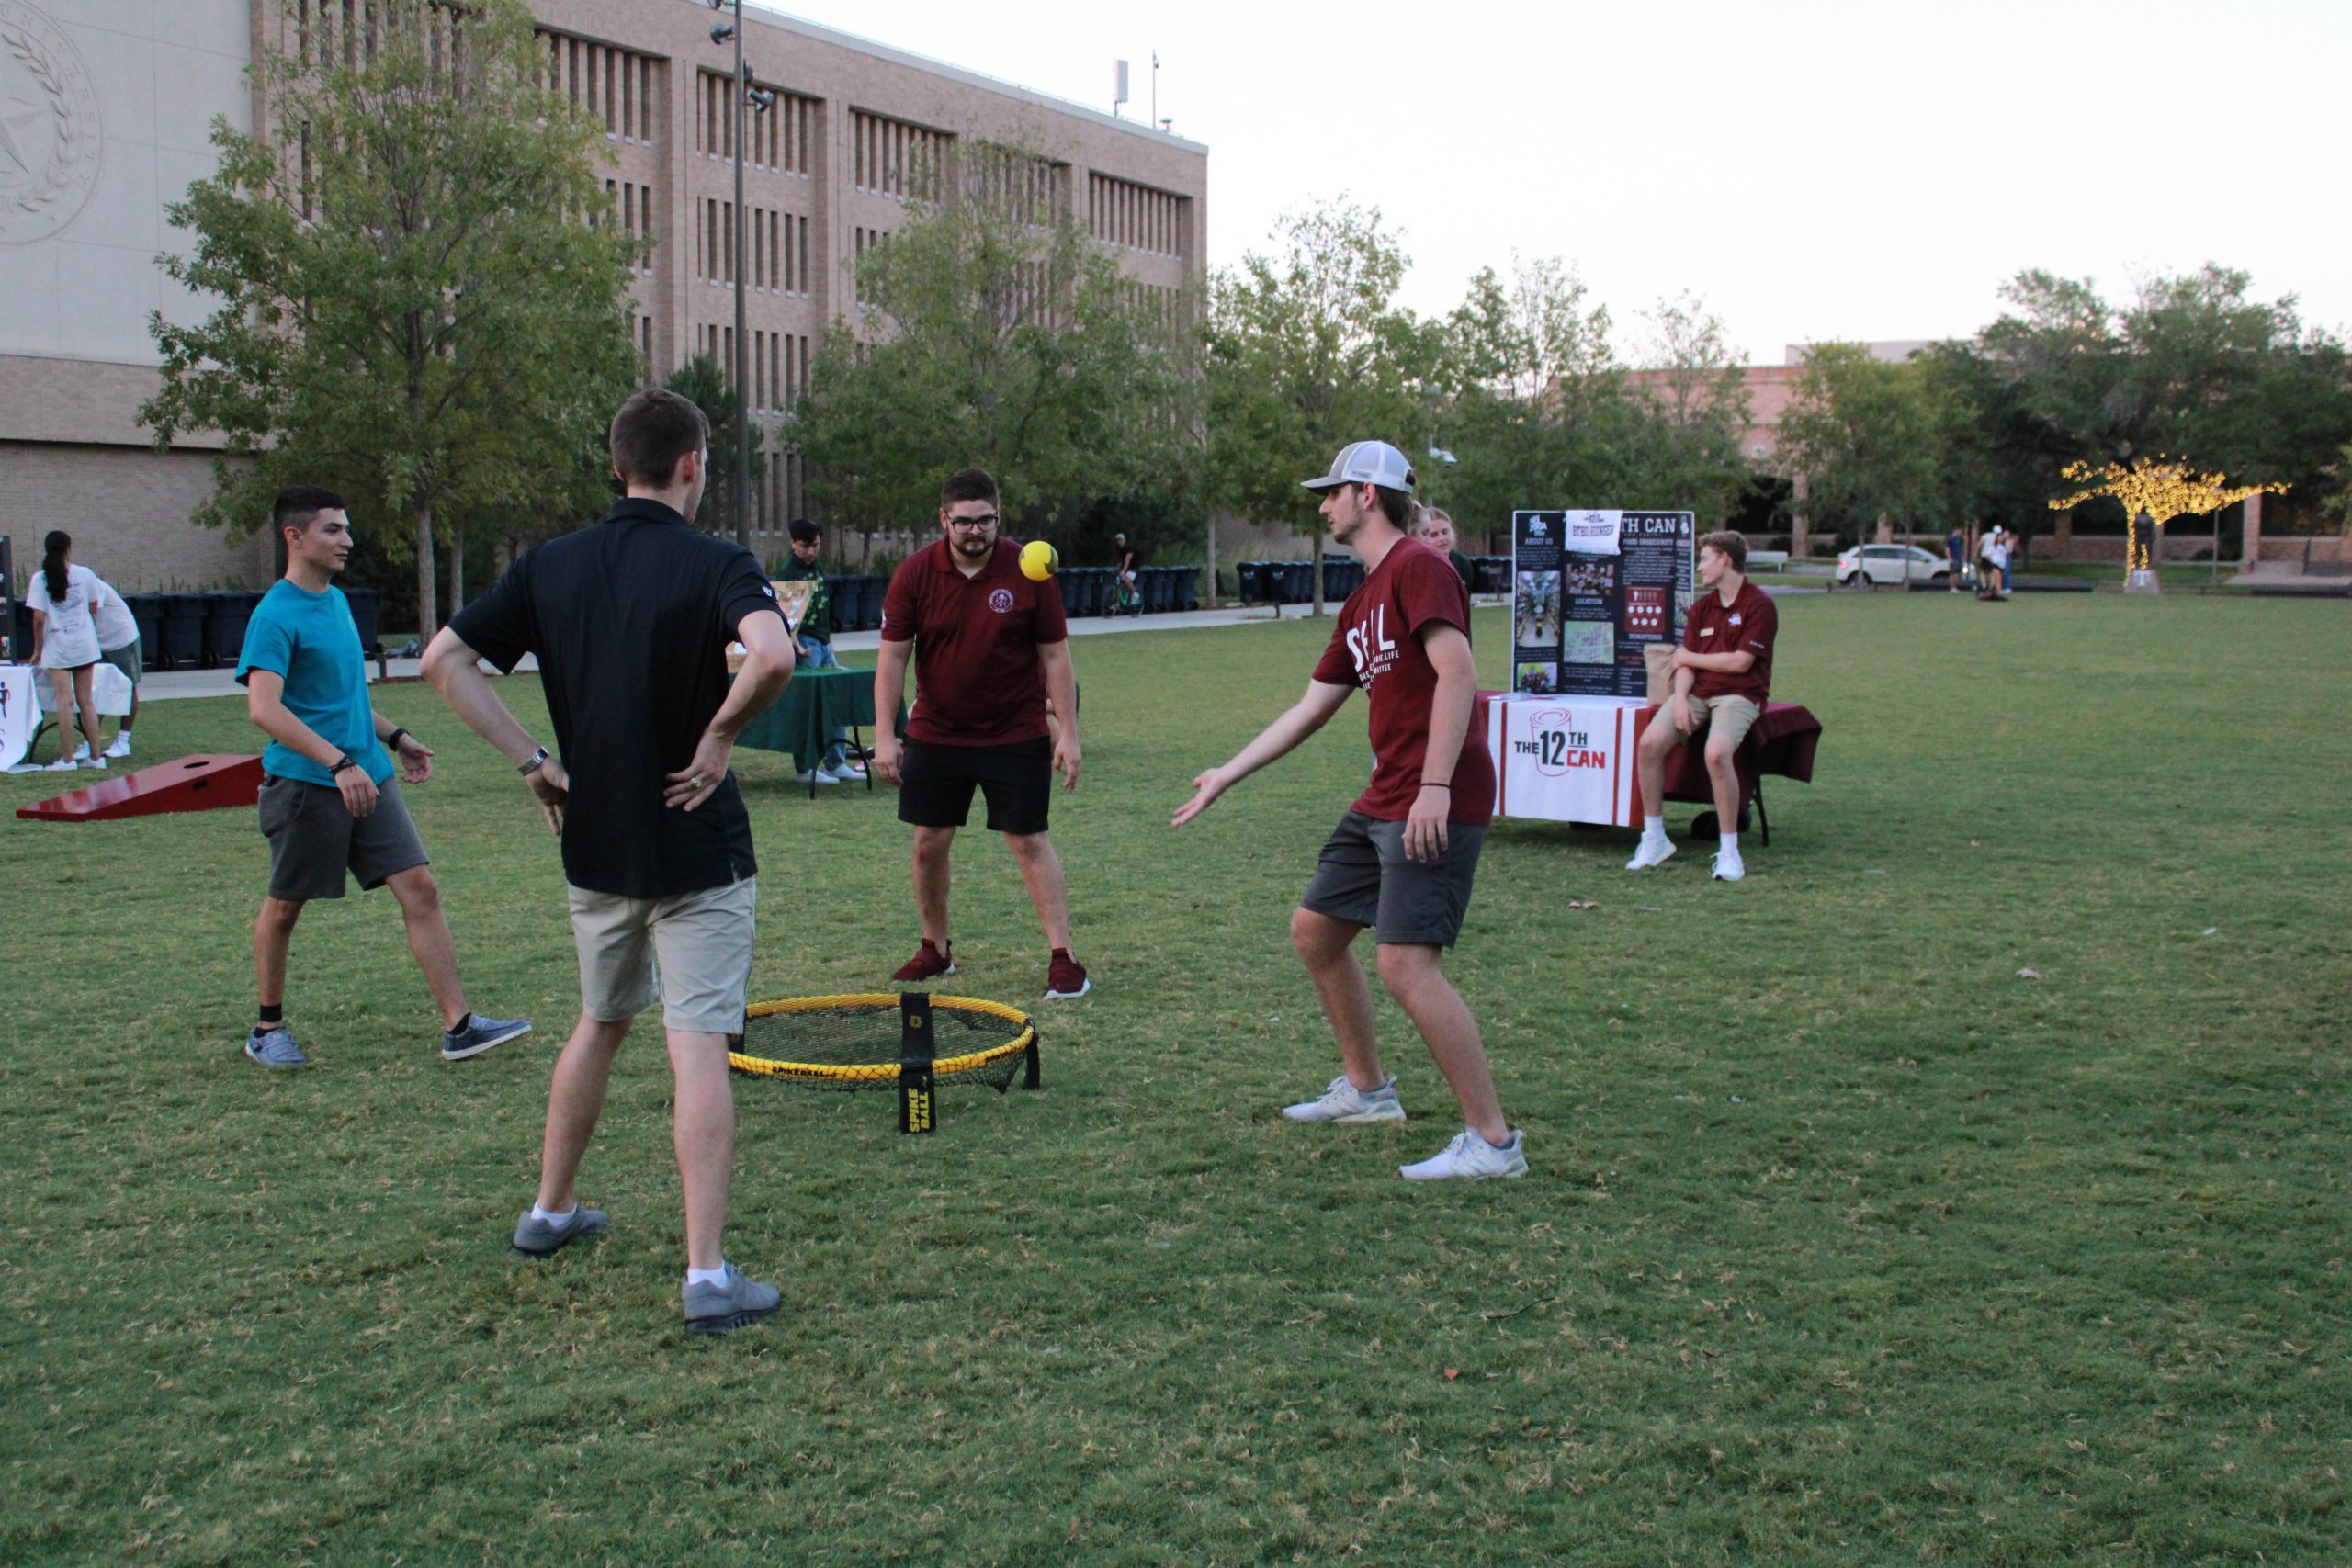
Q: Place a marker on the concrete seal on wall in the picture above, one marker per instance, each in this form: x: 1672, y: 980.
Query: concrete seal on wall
x: 50, y: 134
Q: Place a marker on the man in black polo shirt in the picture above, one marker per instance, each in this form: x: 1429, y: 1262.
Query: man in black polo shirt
x: 990, y: 646
x: 630, y: 621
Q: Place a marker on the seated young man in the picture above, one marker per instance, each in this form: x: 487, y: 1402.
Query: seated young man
x: 1722, y: 674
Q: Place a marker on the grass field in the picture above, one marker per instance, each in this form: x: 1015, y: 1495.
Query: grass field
x: 1843, y: 1243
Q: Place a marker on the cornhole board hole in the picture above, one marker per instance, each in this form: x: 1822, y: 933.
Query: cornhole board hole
x: 200, y: 783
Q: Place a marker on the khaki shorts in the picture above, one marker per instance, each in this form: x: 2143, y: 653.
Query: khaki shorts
x: 693, y: 950
x: 1731, y: 718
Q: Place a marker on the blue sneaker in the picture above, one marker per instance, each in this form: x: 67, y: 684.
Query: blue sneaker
x: 535, y: 1238
x: 481, y: 1034
x: 274, y: 1048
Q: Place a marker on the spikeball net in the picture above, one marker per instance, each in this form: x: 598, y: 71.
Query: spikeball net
x: 912, y: 1042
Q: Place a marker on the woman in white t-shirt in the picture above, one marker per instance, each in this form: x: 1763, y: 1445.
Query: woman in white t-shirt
x: 65, y: 644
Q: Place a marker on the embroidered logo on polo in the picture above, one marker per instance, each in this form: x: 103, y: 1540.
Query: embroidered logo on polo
x: 1000, y: 601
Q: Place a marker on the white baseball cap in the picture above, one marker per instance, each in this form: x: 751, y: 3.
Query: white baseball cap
x: 1367, y: 463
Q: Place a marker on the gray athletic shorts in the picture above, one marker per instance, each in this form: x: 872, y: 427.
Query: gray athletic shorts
x: 314, y: 840
x: 1365, y: 878
x: 126, y: 658
x: 693, y: 950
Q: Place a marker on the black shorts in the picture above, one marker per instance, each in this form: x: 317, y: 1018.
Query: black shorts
x: 314, y: 841
x: 1365, y: 878
x: 935, y: 784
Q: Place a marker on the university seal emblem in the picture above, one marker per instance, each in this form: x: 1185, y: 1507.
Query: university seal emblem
x: 50, y: 130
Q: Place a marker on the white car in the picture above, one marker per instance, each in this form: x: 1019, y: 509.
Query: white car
x: 1890, y: 566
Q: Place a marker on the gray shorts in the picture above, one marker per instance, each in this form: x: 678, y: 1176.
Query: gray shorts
x: 126, y: 658
x: 314, y: 839
x: 693, y: 950
x: 1365, y: 878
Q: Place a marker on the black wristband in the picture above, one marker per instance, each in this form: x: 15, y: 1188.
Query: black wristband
x: 1433, y: 784
x: 393, y: 742
x: 340, y: 763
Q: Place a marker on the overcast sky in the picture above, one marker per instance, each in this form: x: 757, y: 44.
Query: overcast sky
x: 1810, y: 169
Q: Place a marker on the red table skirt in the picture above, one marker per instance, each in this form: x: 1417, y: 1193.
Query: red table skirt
x: 1780, y: 743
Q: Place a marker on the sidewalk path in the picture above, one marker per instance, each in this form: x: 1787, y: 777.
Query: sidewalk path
x: 164, y: 684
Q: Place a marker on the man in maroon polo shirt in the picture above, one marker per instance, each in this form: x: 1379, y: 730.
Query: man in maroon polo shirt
x: 1403, y: 858
x: 992, y: 647
x: 1722, y: 673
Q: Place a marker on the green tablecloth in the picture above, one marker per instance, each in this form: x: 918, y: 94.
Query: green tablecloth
x: 815, y: 704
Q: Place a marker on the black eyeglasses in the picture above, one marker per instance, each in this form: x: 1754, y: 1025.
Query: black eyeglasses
x: 987, y: 521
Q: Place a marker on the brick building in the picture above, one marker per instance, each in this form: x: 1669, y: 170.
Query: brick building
x: 115, y: 124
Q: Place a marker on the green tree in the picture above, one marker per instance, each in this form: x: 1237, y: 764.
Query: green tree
x: 1306, y: 351
x: 993, y: 330
x: 702, y: 382
x: 1694, y: 402
x: 414, y: 305
x: 1532, y: 401
x: 1874, y: 442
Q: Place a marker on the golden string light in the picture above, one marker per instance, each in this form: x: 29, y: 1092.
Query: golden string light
x: 2161, y: 488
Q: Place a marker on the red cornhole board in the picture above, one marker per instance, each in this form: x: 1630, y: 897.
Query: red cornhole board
x: 200, y: 783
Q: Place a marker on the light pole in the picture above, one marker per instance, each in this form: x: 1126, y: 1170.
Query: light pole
x: 745, y: 100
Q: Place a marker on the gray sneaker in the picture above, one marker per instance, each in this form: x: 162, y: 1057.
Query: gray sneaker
x: 723, y: 1309
x: 274, y: 1048
x: 479, y: 1035
x: 535, y: 1238
x: 1345, y: 1103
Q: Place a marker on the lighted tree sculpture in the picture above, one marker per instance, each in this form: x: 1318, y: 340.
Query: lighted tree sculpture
x: 2153, y: 492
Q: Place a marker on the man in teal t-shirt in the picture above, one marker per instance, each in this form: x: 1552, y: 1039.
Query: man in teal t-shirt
x: 328, y: 803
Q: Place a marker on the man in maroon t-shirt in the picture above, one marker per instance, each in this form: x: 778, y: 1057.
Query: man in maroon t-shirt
x: 993, y: 645
x: 1722, y: 673
x: 1402, y: 860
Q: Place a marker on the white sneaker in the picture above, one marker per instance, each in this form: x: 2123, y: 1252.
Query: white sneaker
x: 1471, y: 1159
x: 63, y: 765
x: 97, y: 762
x: 815, y: 776
x: 82, y: 753
x: 121, y: 747
x: 1652, y: 852
x: 1345, y: 1103
x: 1727, y: 867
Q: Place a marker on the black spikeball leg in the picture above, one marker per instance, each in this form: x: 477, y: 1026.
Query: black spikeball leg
x: 918, y: 1103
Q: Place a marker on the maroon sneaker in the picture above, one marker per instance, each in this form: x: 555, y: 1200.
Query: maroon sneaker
x: 929, y: 960
x: 1066, y: 977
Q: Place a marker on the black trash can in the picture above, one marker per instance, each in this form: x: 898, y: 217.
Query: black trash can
x: 872, y: 592
x: 147, y: 613
x: 1154, y: 587
x: 367, y: 613
x: 180, y: 634
x: 1295, y: 583
x: 1188, y: 588
x: 1248, y: 580
x: 1491, y: 574
x: 846, y: 595
x: 226, y: 614
x: 21, y: 634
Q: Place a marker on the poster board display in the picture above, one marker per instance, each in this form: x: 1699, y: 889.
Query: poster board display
x: 791, y: 598
x: 1590, y: 592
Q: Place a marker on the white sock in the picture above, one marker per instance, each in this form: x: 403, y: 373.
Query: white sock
x: 549, y: 1217
x: 1654, y: 828
x: 1731, y: 843
x: 708, y: 1276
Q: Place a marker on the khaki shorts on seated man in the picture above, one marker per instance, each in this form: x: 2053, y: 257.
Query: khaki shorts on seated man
x: 1721, y: 676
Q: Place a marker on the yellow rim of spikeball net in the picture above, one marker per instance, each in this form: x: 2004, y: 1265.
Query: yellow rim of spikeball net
x: 881, y: 1072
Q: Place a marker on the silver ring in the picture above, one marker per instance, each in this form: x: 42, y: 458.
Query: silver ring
x: 695, y: 783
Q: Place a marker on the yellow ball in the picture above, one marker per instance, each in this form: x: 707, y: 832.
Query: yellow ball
x: 1038, y: 560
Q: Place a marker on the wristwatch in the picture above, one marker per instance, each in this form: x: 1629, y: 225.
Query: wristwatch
x: 527, y: 768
